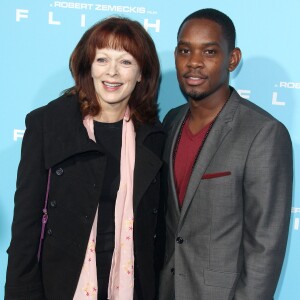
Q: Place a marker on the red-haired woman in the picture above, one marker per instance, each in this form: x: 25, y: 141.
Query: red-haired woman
x: 98, y: 150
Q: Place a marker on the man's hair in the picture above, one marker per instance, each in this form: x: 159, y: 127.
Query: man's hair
x: 220, y: 18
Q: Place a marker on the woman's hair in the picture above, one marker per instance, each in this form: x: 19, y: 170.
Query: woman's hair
x: 119, y: 34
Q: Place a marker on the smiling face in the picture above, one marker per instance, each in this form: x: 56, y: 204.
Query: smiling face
x: 115, y: 74
x: 203, y: 60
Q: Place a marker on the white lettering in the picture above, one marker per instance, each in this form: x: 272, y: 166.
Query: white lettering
x: 82, y: 21
x: 50, y: 19
x: 289, y: 85
x: 18, y: 134
x: 120, y: 9
x: 275, y: 101
x: 244, y: 93
x: 21, y: 14
x: 296, y: 224
x: 156, y: 25
x: 75, y: 5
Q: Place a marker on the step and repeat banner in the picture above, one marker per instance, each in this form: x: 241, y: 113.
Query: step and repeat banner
x: 38, y: 36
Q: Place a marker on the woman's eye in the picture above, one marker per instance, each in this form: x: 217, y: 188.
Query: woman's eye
x: 101, y: 60
x: 126, y: 62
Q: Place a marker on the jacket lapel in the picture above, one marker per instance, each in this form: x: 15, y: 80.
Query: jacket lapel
x: 147, y: 164
x: 215, y: 138
x: 168, y: 156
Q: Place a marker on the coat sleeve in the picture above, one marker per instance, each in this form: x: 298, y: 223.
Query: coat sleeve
x: 267, y: 193
x: 23, y: 278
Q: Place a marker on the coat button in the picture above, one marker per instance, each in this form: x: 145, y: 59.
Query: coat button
x: 49, y: 231
x: 59, y: 171
x: 53, y: 203
x: 179, y: 240
x: 154, y: 180
x: 172, y: 271
x: 86, y: 219
x: 154, y: 211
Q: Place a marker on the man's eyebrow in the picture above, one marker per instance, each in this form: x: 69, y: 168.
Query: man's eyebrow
x: 184, y: 43
x: 208, y: 44
x: 211, y: 44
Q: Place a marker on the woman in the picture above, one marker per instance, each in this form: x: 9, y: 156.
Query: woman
x: 102, y: 143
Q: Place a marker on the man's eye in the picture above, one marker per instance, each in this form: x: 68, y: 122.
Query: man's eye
x: 184, y: 51
x: 210, y: 52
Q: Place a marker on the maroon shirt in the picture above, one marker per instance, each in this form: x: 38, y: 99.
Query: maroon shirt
x: 186, y: 155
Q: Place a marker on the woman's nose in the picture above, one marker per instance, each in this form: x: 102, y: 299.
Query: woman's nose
x: 112, y: 69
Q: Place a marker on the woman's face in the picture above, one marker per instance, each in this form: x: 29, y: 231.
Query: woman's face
x: 115, y: 74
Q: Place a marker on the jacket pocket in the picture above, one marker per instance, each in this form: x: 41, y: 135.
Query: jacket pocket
x: 220, y: 279
x: 215, y: 175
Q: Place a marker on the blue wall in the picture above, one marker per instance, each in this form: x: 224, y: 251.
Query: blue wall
x: 37, y: 38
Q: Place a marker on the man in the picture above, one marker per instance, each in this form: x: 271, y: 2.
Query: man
x: 230, y: 176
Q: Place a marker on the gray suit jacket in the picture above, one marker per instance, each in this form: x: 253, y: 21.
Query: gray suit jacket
x: 229, y: 239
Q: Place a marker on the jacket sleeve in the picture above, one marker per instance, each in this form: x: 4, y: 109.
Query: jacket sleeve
x: 267, y: 193
x: 23, y: 278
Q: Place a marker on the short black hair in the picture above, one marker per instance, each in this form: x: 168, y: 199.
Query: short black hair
x: 220, y: 18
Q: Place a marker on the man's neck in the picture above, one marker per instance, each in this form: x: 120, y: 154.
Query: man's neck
x: 205, y: 111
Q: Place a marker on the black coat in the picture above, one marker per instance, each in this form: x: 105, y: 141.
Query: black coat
x: 56, y: 138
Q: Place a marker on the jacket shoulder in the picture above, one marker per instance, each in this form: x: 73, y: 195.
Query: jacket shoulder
x: 248, y: 107
x: 55, y: 110
x: 172, y: 114
x: 256, y: 118
x: 57, y: 106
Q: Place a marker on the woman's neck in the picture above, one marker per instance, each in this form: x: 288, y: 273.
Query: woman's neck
x: 110, y: 115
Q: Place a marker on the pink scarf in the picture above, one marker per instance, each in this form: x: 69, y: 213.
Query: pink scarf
x: 121, y: 279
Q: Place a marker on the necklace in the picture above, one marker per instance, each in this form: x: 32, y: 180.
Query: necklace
x: 204, y: 139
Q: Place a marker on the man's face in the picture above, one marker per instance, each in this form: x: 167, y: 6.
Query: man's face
x: 202, y: 59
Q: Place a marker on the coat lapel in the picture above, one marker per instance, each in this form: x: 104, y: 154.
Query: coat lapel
x: 215, y: 138
x: 65, y: 134
x: 147, y: 165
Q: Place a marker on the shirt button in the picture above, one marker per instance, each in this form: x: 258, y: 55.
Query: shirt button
x: 59, y: 171
x: 49, y: 231
x: 179, y: 240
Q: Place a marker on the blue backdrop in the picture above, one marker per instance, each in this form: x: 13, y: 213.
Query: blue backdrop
x: 39, y: 36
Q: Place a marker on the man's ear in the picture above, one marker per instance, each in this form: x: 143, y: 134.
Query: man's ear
x: 235, y: 58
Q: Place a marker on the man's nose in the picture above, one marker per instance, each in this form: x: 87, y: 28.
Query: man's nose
x: 195, y: 60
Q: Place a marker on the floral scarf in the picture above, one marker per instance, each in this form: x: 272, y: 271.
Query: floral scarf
x: 121, y: 279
